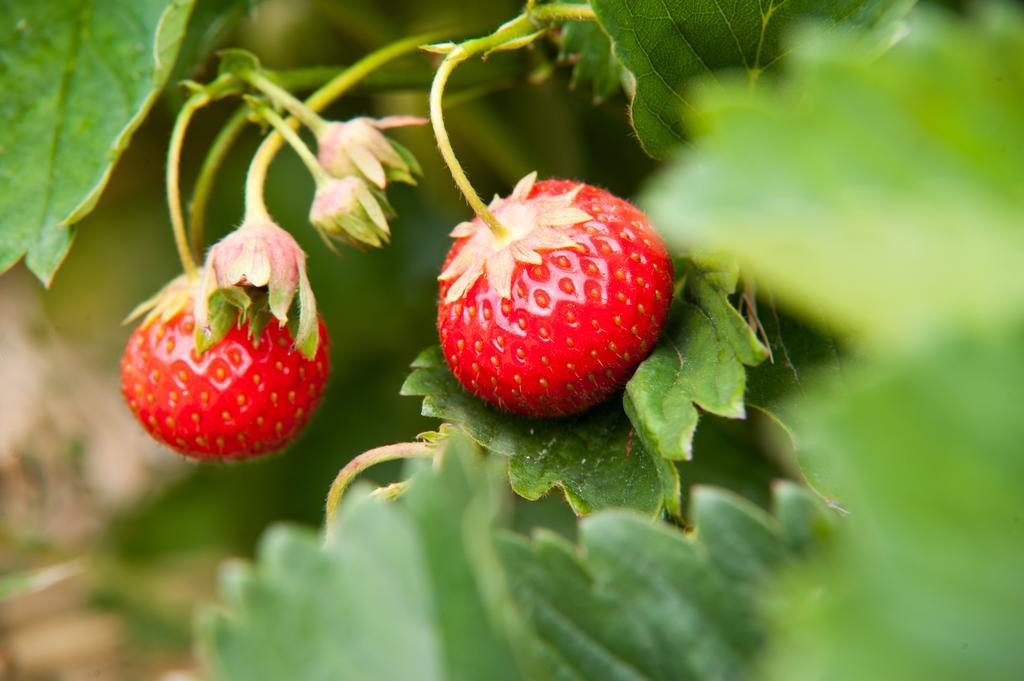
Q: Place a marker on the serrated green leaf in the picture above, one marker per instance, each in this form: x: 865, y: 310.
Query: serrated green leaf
x: 638, y: 600
x: 591, y: 457
x: 589, y: 50
x: 78, y: 78
x: 799, y: 353
x: 700, y: 362
x: 399, y: 592
x: 667, y: 45
x: 211, y: 22
x: 733, y: 455
x: 742, y: 542
x: 884, y: 188
x: 431, y: 586
x: 925, y: 581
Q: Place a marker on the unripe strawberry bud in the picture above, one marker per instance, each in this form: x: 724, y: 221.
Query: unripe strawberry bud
x: 357, y: 147
x: 258, y: 262
x: 349, y: 210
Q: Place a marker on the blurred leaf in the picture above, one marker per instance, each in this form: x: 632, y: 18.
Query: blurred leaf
x: 885, y: 189
x: 638, y: 600
x: 588, y: 48
x: 667, y: 45
x: 591, y: 457
x: 926, y: 453
x: 700, y: 362
x: 399, y: 591
x: 427, y: 588
x: 78, y: 78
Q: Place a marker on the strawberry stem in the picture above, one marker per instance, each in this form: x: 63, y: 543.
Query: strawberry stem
x: 402, y: 450
x: 514, y: 34
x: 444, y: 145
x: 173, y: 180
x: 203, y: 190
x: 287, y: 100
x: 294, y: 141
x: 335, y: 88
x: 561, y: 11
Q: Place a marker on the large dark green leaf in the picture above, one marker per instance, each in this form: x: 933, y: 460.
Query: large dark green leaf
x: 77, y: 79
x: 667, y: 44
x: 637, y: 600
x: 879, y: 195
x: 735, y: 455
x: 701, y: 361
x: 592, y: 458
x: 798, y: 354
x: 211, y: 22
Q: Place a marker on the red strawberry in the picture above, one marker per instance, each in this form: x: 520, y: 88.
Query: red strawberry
x: 553, y: 317
x: 240, y: 398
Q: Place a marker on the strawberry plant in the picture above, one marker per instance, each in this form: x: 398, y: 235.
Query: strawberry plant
x: 722, y: 383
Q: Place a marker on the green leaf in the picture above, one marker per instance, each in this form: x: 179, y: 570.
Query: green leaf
x: 925, y: 583
x: 734, y: 455
x: 799, y: 357
x: 399, y: 591
x: 432, y: 586
x: 879, y: 195
x: 798, y: 354
x: 211, y: 22
x: 78, y: 78
x: 591, y: 457
x: 638, y: 600
x: 701, y: 361
x: 667, y: 45
x: 588, y: 48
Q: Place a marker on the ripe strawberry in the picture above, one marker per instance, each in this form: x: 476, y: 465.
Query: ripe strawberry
x: 240, y: 398
x: 553, y: 317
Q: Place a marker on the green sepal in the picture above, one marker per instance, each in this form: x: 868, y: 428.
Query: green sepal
x: 408, y: 158
x: 307, y: 331
x: 224, y: 315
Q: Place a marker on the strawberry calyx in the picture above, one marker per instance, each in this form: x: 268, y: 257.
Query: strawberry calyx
x: 352, y: 211
x: 531, y: 225
x: 358, y: 147
x: 166, y: 303
x: 251, y: 275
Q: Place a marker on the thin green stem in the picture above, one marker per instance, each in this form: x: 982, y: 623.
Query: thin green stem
x: 403, y: 450
x: 562, y: 11
x: 359, y: 70
x: 444, y: 145
x: 218, y: 151
x: 255, y: 206
x: 290, y: 102
x: 296, y: 143
x: 173, y: 181
x: 522, y: 27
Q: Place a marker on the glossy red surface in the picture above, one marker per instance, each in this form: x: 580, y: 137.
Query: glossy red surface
x: 238, y: 399
x: 576, y: 325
